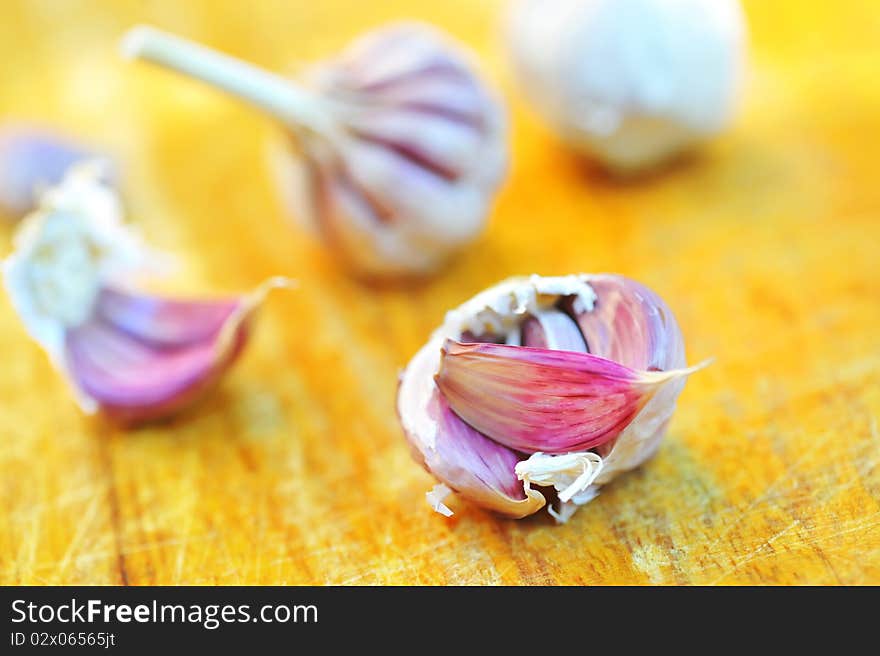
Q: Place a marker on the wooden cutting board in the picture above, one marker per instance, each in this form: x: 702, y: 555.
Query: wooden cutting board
x: 766, y: 244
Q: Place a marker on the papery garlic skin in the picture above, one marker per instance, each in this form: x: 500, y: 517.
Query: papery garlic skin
x: 396, y: 147
x: 65, y: 250
x: 132, y: 355
x: 443, y: 442
x: 572, y: 474
x: 436, y: 497
x: 631, y: 83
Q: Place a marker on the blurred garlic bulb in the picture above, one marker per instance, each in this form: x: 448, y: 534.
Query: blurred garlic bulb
x: 133, y: 355
x: 31, y: 161
x: 396, y: 148
x: 630, y: 82
x: 543, y: 382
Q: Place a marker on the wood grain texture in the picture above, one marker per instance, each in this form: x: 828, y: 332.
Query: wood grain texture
x: 767, y: 246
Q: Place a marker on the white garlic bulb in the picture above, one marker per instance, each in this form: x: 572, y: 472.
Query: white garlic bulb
x: 631, y: 83
x: 396, y: 148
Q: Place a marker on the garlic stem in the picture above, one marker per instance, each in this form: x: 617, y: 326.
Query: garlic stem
x: 280, y: 97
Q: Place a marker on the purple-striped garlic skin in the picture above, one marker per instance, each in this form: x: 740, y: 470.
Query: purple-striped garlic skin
x: 396, y: 146
x: 132, y: 355
x: 31, y: 160
x: 419, y: 156
x: 563, y: 382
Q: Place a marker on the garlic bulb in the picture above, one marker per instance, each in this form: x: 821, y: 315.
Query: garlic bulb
x: 630, y: 82
x: 396, y: 148
x: 32, y: 160
x: 543, y: 382
x: 132, y: 355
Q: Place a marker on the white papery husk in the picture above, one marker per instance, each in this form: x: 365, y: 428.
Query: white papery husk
x: 66, y: 250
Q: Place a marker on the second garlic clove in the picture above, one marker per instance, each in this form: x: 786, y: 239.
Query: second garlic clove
x: 396, y: 146
x: 130, y: 354
x: 142, y: 357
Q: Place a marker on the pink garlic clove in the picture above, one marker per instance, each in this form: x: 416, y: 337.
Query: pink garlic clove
x: 397, y: 148
x: 525, y: 382
x: 552, y: 329
x: 141, y: 358
x: 479, y: 469
x: 32, y: 160
x: 534, y: 399
x: 630, y: 324
x: 131, y: 355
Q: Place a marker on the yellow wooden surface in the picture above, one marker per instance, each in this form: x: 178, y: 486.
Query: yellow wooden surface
x: 767, y: 246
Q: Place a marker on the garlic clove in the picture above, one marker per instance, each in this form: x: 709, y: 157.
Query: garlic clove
x: 534, y: 399
x: 142, y: 357
x: 630, y: 324
x: 461, y: 458
x: 477, y: 468
x: 551, y: 329
x: 32, y: 160
x: 132, y: 355
x: 397, y: 149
